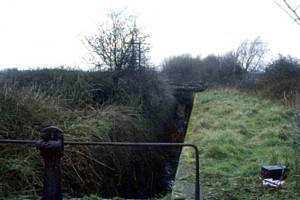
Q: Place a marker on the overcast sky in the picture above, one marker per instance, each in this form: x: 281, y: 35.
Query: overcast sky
x: 48, y: 33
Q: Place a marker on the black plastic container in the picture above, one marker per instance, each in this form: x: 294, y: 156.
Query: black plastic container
x: 276, y: 172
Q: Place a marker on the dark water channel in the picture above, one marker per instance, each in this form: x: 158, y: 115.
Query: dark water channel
x: 175, y: 134
x: 164, y: 173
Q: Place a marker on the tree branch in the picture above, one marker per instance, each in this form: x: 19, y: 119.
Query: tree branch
x: 289, y: 10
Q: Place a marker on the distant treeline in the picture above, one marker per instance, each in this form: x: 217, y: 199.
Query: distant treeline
x: 280, y: 79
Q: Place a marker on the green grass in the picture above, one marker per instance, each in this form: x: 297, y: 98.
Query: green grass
x: 237, y: 134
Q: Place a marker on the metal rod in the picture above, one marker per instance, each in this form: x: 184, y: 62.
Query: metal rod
x: 162, y: 144
x: 9, y: 141
x: 197, y: 164
x: 126, y: 144
x: 197, y: 184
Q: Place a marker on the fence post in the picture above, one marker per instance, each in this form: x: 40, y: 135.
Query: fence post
x: 51, y: 146
x: 297, y: 97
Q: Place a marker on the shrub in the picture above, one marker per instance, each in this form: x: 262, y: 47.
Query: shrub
x: 282, y: 79
x: 182, y: 69
x: 212, y: 70
x: 74, y: 88
x: 221, y: 70
x: 153, y: 97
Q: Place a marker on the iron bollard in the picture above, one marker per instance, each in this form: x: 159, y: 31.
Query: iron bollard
x: 51, y: 146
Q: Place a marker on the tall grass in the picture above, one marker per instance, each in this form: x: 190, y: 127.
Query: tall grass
x: 85, y: 107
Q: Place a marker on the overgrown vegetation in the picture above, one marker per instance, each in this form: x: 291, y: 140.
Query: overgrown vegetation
x: 230, y: 69
x: 282, y: 80
x: 124, y: 99
x: 81, y: 104
x: 237, y: 134
x: 279, y: 80
x: 210, y: 71
x: 244, y: 124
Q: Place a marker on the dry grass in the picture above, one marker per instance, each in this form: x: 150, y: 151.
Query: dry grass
x: 32, y: 100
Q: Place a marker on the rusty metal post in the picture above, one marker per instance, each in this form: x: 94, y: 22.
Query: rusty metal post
x: 51, y: 147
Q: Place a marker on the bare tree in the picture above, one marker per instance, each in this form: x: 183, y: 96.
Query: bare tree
x: 119, y: 44
x: 119, y: 47
x: 250, y: 54
x: 291, y: 8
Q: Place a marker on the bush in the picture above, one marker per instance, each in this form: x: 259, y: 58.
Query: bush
x: 212, y: 70
x: 143, y: 89
x: 153, y: 97
x: 221, y: 70
x: 74, y: 88
x: 182, y: 69
x: 23, y: 113
x: 282, y: 79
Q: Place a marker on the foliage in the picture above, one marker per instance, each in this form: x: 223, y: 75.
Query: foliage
x: 281, y: 80
x: 145, y: 90
x: 182, y: 69
x: 151, y: 94
x: 23, y: 113
x: 81, y: 104
x: 282, y: 77
x: 73, y: 88
x: 221, y: 70
x: 212, y: 70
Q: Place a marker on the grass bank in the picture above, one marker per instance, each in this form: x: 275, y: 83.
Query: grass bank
x: 237, y: 134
